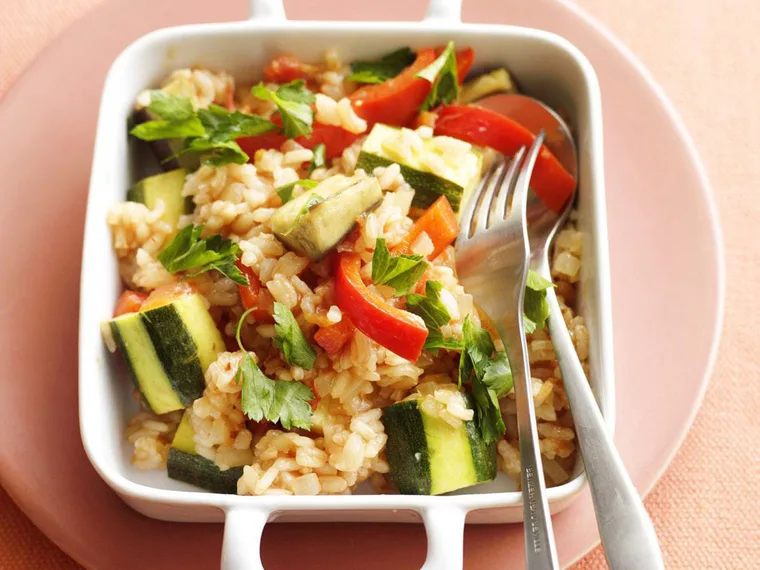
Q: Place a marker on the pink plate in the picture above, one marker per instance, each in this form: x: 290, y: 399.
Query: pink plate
x: 663, y: 233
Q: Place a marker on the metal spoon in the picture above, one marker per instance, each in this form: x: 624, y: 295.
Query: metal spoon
x: 627, y: 533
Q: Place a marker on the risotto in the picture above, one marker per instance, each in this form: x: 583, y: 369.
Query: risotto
x: 292, y: 318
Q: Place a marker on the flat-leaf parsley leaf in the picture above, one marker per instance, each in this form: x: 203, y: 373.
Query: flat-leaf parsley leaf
x: 398, y: 271
x: 294, y: 103
x: 435, y: 314
x: 262, y: 398
x: 291, y: 340
x: 188, y: 251
x: 442, y: 73
x: 382, y: 69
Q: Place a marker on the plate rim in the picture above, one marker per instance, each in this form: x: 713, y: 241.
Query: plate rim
x: 712, y: 208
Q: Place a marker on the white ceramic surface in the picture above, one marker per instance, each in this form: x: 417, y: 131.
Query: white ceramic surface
x: 548, y: 67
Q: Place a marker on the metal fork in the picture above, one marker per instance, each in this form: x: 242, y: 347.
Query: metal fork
x: 492, y: 258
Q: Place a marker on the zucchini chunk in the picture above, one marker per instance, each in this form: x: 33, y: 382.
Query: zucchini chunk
x: 167, y: 187
x: 428, y: 456
x: 168, y: 349
x: 316, y: 221
x: 183, y: 464
x: 456, y: 175
x: 165, y: 149
x: 496, y: 81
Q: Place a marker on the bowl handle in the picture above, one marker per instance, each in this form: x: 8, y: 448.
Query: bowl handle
x: 439, y: 11
x: 243, y: 526
x: 270, y: 10
x: 444, y: 526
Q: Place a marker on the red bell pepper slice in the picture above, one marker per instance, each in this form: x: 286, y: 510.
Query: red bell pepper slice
x: 397, y: 330
x: 482, y: 127
x: 396, y: 100
x: 335, y: 337
x: 129, y: 302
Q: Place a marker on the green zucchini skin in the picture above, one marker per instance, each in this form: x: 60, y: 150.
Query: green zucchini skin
x: 406, y: 437
x: 202, y: 472
x: 146, y: 369
x: 177, y: 351
x: 136, y: 194
x: 408, y: 451
x: 167, y: 350
x: 428, y: 187
x: 483, y: 454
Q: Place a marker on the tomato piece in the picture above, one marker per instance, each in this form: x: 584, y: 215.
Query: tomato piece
x: 129, y: 302
x: 254, y: 296
x: 482, y: 127
x: 249, y: 294
x: 284, y: 69
x: 334, y: 337
x: 335, y: 139
x: 397, y: 100
x: 397, y: 330
x: 165, y: 294
x: 465, y: 58
x: 439, y: 222
x: 261, y: 142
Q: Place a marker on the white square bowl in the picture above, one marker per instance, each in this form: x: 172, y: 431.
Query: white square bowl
x: 546, y: 65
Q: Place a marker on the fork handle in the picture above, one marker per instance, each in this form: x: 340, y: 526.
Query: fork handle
x: 627, y: 533
x: 540, y: 549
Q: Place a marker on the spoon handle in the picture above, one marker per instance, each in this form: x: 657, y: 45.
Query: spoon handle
x: 627, y: 533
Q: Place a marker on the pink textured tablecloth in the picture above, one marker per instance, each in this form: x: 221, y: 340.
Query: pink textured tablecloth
x: 705, y: 55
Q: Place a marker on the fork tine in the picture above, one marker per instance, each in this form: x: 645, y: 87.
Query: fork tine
x: 505, y: 190
x: 467, y: 215
x: 520, y: 196
x: 484, y: 206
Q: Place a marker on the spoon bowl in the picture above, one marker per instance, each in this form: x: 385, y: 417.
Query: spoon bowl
x: 532, y: 114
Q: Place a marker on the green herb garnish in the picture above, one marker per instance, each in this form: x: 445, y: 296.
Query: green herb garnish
x: 285, y: 192
x: 318, y: 161
x: 209, y: 132
x: 398, y: 271
x: 294, y: 102
x: 379, y: 70
x: 535, y: 305
x: 490, y: 376
x: 178, y: 119
x: 434, y: 313
x: 272, y: 400
x: 291, y: 340
x: 442, y: 73
x: 188, y: 251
